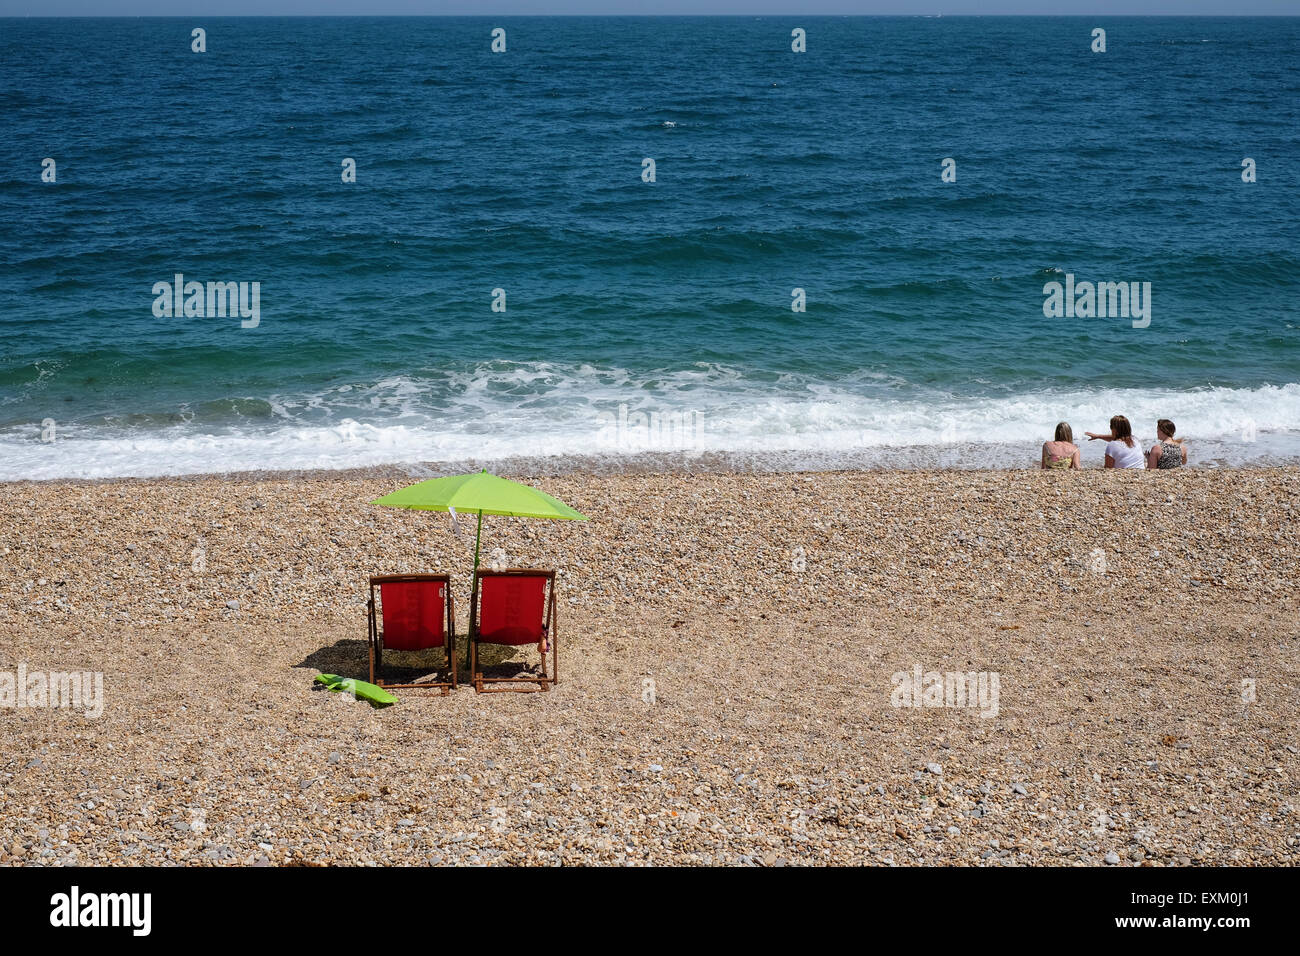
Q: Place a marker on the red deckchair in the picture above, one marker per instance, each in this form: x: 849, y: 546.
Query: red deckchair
x: 418, y: 612
x: 515, y: 608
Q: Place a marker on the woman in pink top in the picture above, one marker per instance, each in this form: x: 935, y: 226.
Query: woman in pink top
x: 1061, y: 453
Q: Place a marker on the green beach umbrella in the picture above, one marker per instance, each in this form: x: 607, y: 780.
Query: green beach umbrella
x: 479, y: 492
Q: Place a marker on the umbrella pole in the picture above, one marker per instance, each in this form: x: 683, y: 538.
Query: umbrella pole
x: 473, y: 593
x: 477, y: 535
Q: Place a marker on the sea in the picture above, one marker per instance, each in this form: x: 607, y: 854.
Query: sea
x: 798, y: 242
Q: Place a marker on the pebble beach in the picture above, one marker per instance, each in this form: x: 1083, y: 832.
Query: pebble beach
x: 730, y: 650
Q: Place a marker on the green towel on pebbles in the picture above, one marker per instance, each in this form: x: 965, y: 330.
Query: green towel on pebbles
x: 377, y: 696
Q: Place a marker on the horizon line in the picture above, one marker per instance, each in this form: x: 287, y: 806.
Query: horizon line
x: 649, y: 16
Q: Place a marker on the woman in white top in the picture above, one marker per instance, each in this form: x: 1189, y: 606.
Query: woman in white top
x: 1122, y: 449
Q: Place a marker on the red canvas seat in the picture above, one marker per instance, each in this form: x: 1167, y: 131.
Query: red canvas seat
x: 515, y: 608
x: 418, y: 613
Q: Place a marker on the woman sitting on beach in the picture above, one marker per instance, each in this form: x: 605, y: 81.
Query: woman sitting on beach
x: 1122, y: 449
x: 1061, y: 453
x: 1168, y: 451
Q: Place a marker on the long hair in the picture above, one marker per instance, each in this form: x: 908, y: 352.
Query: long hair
x: 1063, y: 433
x: 1121, y: 430
x: 1167, y: 427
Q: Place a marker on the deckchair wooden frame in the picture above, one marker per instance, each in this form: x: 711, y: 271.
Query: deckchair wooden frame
x: 375, y: 636
x: 545, y: 681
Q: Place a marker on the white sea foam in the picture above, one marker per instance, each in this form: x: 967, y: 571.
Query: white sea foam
x: 543, y: 412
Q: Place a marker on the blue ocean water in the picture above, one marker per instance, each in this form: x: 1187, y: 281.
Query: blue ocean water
x: 642, y: 316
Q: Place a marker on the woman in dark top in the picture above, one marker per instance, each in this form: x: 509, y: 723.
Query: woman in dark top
x: 1167, y: 452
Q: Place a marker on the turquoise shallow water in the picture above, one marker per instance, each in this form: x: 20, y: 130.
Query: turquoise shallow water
x: 641, y: 316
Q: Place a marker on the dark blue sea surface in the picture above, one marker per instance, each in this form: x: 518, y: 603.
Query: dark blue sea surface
x: 642, y: 316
